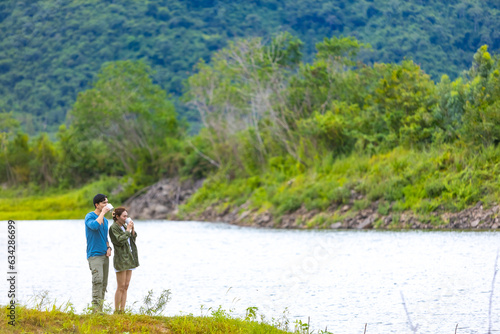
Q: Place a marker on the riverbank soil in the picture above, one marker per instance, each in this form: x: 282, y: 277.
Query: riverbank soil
x: 163, y: 199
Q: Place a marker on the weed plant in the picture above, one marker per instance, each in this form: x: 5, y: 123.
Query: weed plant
x: 45, y: 316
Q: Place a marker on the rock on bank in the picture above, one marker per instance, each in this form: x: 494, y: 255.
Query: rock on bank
x: 161, y: 200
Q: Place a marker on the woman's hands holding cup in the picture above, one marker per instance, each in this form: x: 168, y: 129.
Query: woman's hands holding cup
x: 130, y: 225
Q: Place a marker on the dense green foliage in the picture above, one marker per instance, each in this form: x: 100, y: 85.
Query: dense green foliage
x: 334, y: 126
x: 257, y: 102
x: 52, y: 50
x: 123, y: 125
x: 280, y: 133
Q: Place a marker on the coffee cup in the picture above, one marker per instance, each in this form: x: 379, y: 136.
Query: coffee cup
x: 109, y: 206
x: 128, y: 220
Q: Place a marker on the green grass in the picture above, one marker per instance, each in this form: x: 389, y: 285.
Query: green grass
x: 58, y: 320
x: 445, y: 178
x: 17, y: 204
x: 42, y: 315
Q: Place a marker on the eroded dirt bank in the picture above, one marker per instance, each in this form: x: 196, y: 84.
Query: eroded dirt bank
x: 161, y: 201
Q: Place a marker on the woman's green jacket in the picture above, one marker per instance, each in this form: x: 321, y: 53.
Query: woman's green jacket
x: 124, y: 259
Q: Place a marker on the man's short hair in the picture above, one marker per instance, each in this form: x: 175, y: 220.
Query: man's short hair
x: 99, y: 198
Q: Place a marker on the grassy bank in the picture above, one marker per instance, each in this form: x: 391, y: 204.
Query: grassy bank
x: 425, y: 182
x: 32, y: 203
x: 442, y: 179
x: 57, y: 321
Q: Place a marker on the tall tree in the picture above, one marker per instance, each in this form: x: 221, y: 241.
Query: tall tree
x: 481, y: 124
x: 8, y: 127
x: 125, y: 111
x: 244, y: 84
x: 45, y: 161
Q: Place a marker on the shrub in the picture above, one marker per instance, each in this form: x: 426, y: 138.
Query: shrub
x: 434, y: 188
x: 383, y: 208
x: 339, y: 195
x: 287, y: 203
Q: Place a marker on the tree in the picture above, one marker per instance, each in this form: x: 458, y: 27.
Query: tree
x: 8, y: 127
x: 44, y: 163
x: 481, y: 124
x: 126, y: 112
x: 327, y: 78
x: 244, y: 87
x: 18, y: 157
x: 404, y: 98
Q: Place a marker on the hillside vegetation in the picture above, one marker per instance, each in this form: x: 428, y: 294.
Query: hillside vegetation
x: 52, y: 50
x: 279, y: 134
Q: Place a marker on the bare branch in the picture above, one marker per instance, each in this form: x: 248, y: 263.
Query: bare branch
x: 203, y: 155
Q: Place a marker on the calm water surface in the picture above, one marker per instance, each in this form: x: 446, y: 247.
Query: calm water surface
x: 340, y: 279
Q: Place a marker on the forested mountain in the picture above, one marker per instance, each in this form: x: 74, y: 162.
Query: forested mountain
x: 50, y: 50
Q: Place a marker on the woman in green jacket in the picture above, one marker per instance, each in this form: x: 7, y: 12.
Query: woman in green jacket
x: 123, y: 237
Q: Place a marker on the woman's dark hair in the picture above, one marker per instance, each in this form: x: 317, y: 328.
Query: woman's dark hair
x: 118, y: 212
x: 99, y: 198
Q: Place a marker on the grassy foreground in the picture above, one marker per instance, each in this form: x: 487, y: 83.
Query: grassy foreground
x: 57, y: 321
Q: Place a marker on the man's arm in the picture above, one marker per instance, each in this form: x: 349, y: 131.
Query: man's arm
x: 93, y: 224
x: 100, y: 219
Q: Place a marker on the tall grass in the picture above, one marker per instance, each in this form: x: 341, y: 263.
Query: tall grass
x: 444, y: 178
x: 42, y: 315
x: 441, y: 178
x: 17, y: 204
x: 63, y: 320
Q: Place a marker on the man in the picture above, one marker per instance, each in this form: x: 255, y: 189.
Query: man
x: 98, y: 250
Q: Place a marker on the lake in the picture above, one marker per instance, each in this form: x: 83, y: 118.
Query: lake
x: 341, y: 280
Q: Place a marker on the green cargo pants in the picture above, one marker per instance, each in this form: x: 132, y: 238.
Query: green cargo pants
x: 99, y: 266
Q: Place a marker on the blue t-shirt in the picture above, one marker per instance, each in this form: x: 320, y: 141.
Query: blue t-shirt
x: 97, y: 235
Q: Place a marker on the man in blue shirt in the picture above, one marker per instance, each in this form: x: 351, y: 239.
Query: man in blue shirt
x: 98, y: 250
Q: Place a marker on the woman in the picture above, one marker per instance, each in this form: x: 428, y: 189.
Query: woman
x: 123, y: 237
